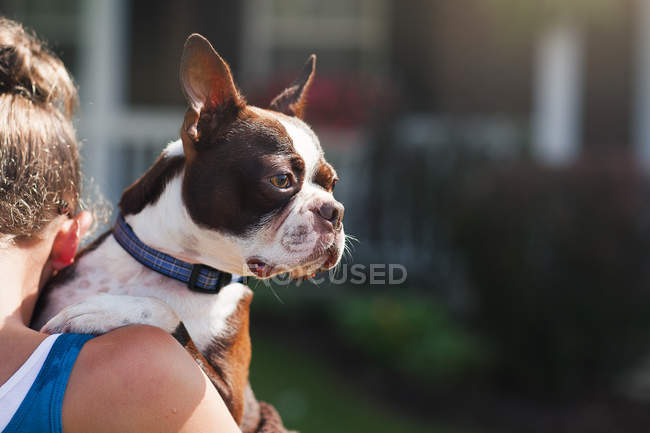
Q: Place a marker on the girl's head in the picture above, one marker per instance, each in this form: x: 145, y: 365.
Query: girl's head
x: 39, y: 156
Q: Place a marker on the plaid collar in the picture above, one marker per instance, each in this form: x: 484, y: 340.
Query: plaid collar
x: 200, y: 278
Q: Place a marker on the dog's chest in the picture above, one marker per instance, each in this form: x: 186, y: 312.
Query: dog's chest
x: 109, y: 269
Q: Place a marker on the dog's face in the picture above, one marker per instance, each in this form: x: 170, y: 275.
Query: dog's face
x: 255, y: 181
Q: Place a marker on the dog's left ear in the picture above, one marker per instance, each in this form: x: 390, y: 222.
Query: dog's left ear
x: 292, y: 100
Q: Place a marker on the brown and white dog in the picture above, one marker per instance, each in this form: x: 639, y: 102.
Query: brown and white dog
x: 246, y: 191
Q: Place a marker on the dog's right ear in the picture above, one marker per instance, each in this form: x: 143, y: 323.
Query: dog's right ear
x: 292, y: 100
x: 207, y: 83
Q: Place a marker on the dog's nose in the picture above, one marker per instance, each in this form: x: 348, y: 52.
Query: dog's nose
x: 332, y: 212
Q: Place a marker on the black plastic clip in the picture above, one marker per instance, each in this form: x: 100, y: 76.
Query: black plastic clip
x: 192, y: 284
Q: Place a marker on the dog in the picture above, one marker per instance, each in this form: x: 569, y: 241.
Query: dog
x: 245, y: 192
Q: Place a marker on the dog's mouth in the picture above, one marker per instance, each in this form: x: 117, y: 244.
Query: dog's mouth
x: 260, y: 268
x: 320, y: 261
x: 332, y: 258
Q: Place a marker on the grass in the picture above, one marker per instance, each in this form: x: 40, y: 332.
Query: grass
x: 313, y: 398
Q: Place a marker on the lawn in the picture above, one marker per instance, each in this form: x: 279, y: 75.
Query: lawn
x: 312, y: 397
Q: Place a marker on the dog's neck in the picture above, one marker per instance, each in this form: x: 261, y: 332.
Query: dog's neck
x: 166, y: 226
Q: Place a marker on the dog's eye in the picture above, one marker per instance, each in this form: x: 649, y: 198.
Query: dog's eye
x: 333, y: 184
x: 281, y: 181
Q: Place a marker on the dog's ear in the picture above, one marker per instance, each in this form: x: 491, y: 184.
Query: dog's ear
x: 207, y: 83
x: 205, y: 77
x: 292, y: 100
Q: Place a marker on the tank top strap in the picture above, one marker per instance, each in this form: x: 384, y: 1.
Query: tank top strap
x: 40, y: 411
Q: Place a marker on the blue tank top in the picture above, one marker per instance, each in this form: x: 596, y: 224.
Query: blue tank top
x: 40, y: 411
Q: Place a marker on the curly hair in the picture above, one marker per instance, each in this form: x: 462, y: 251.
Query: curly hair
x: 39, y: 156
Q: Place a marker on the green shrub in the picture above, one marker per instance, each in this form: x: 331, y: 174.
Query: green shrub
x: 413, y: 336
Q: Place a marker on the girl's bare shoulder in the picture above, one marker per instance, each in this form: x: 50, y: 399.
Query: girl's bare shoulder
x: 138, y: 378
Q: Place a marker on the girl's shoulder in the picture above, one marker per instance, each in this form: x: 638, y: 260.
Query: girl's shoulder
x: 138, y: 378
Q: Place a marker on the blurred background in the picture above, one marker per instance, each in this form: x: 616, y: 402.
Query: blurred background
x: 498, y: 150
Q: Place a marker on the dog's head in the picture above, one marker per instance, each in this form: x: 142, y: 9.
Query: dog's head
x: 254, y: 181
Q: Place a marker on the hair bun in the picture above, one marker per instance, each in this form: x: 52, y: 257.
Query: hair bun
x: 28, y: 69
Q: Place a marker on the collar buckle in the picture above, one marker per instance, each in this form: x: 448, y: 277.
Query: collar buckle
x: 192, y: 284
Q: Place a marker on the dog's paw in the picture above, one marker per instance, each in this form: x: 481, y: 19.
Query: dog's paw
x: 101, y: 313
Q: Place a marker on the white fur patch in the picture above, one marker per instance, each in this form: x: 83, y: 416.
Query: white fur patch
x: 305, y: 145
x: 101, y: 313
x: 175, y: 148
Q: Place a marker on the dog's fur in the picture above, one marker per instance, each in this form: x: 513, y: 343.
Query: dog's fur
x: 212, y: 198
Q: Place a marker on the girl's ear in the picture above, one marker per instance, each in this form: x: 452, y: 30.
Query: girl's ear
x: 67, y: 240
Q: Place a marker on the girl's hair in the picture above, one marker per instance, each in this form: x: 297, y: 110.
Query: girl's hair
x: 39, y: 156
